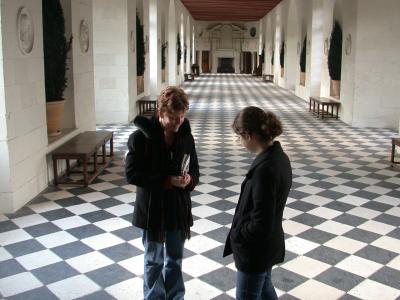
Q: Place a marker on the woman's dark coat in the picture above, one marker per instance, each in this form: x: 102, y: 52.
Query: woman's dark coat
x: 256, y: 238
x: 148, y: 163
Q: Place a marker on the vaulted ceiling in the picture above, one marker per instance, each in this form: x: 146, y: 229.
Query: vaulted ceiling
x: 229, y: 10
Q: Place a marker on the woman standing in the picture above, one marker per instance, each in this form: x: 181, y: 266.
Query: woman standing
x: 256, y: 238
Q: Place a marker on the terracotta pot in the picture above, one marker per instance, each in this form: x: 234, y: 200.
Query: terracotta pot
x: 163, y: 75
x: 302, y: 78
x: 55, y: 117
x: 140, y: 84
x: 282, y: 72
x: 335, y: 88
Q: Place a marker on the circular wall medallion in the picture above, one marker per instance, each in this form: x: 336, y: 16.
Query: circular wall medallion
x: 326, y: 46
x: 347, y: 44
x: 25, y: 30
x: 253, y: 31
x: 84, y: 36
x: 132, y: 41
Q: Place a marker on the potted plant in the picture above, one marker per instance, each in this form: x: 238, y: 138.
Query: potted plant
x: 163, y: 60
x: 335, y: 58
x: 55, y: 50
x: 140, y: 56
x: 303, y: 59
x: 178, y: 51
x: 282, y: 59
x: 272, y: 57
x: 184, y: 53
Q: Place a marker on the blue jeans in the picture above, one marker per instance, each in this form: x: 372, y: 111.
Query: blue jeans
x: 254, y: 286
x: 155, y: 285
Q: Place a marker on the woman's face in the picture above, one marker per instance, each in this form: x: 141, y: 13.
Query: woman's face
x: 248, y: 141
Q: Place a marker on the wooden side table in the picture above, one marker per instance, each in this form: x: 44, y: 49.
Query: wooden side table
x: 395, y: 142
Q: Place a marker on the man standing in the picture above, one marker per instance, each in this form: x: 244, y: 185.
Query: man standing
x: 162, y: 163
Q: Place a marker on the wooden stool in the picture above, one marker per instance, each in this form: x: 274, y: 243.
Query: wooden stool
x: 82, y: 147
x: 324, y: 102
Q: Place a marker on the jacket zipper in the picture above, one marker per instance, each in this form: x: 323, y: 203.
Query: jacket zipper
x: 148, y: 212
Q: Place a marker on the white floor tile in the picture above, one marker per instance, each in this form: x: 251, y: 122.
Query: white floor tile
x: 377, y: 227
x: 334, y: 227
x: 89, y: 262
x: 101, y: 241
x: 204, y: 211
x: 126, y: 198
x: 13, y: 236
x: 306, y: 266
x: 18, y: 283
x: 38, y: 259
x: 56, y: 239
x: 372, y: 290
x: 359, y: 266
x: 128, y: 289
x: 294, y: 228
x: 200, y: 244
x: 345, y: 244
x: 83, y: 208
x: 29, y: 220
x: 70, y: 222
x: 199, y: 290
x: 387, y: 243
x: 58, y: 195
x: 113, y: 224
x: 94, y: 196
x: 363, y: 212
x: 300, y: 246
x: 198, y: 265
x: 134, y: 265
x: 325, y: 212
x: 73, y: 287
x: 203, y: 225
x: 315, y: 290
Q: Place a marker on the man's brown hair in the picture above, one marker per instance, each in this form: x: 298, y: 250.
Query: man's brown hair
x: 173, y: 99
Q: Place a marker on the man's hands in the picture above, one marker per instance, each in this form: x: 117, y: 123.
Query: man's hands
x: 181, y: 181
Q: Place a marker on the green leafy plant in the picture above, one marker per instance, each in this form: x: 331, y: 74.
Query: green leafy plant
x: 335, y: 52
x: 178, y: 50
x: 282, y: 55
x: 55, y: 49
x: 140, y: 55
x: 184, y: 53
x: 262, y: 55
x: 163, y: 60
x: 303, y: 55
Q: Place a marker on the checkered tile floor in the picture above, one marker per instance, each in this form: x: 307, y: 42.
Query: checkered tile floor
x: 341, y: 221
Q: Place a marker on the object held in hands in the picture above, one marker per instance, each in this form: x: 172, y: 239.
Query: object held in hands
x: 185, y: 164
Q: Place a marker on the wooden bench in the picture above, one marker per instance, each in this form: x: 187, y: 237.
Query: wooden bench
x: 395, y: 142
x: 323, y: 102
x: 268, y: 77
x: 147, y: 105
x: 82, y: 148
x: 188, y: 76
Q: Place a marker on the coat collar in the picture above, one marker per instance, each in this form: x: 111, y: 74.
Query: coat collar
x: 151, y: 127
x: 263, y: 156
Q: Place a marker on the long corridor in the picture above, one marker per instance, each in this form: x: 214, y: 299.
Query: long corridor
x: 342, y: 219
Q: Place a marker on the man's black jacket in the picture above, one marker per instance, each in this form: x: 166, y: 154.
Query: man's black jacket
x: 148, y: 163
x: 256, y: 238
